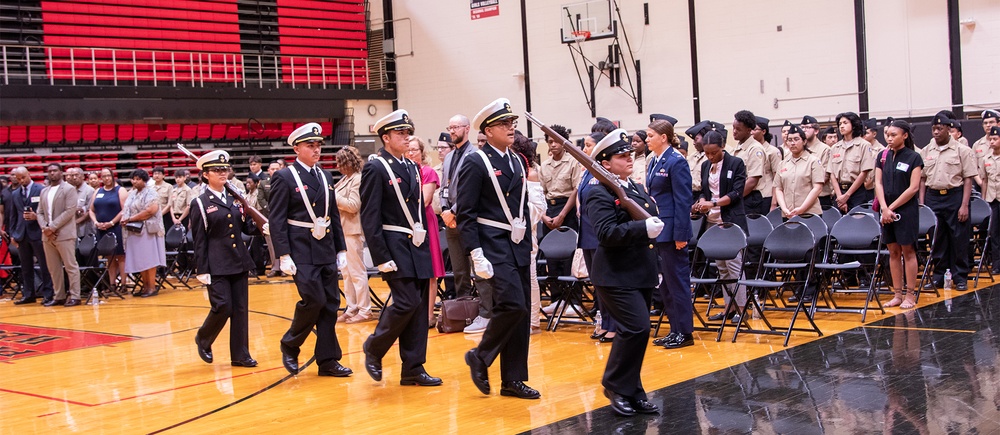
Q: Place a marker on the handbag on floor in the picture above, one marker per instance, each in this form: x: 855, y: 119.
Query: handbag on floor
x: 458, y: 313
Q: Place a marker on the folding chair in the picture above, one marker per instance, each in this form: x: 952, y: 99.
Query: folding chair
x: 775, y: 217
x: 857, y: 234
x: 373, y: 271
x: 831, y: 215
x: 106, y: 251
x: 758, y: 228
x: 173, y: 242
x: 13, y: 279
x: 789, y: 247
x: 979, y: 214
x: 560, y: 245
x: 697, y: 223
x: 449, y: 275
x: 821, y: 238
x: 864, y: 208
x: 86, y: 257
x: 724, y: 241
x: 927, y: 229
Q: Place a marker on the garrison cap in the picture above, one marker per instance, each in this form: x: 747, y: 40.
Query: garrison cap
x: 806, y: 120
x: 213, y: 159
x: 668, y: 118
x: 683, y: 145
x: 498, y: 110
x: 699, y: 128
x: 995, y: 131
x: 396, y: 120
x: 887, y: 121
x: 444, y: 137
x: 616, y: 142
x: 870, y: 123
x: 305, y: 133
x: 990, y: 113
x: 796, y: 129
x: 943, y: 120
x: 786, y: 124
x: 762, y: 122
x: 719, y: 128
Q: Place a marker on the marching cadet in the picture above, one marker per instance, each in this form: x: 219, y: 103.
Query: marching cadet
x: 982, y: 146
x: 947, y: 185
x: 752, y: 154
x: 696, y: 158
x: 218, y: 223
x: 309, y: 243
x: 851, y: 160
x: 772, y: 159
x: 392, y: 217
x: 492, y: 211
x: 624, y: 273
x: 818, y: 148
x: 989, y: 172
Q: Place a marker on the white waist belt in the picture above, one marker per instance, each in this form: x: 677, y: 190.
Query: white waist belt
x: 300, y: 224
x: 397, y: 229
x: 494, y: 224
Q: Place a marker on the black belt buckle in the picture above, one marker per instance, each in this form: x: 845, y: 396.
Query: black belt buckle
x: 845, y: 186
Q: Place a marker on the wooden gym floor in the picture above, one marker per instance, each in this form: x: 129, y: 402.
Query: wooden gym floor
x: 130, y: 366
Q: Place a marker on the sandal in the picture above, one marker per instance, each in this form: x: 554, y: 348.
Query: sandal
x: 897, y: 299
x: 909, y: 303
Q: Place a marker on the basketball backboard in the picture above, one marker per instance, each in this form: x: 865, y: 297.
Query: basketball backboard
x: 586, y: 20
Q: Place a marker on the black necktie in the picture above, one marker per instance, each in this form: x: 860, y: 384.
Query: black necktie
x: 314, y: 172
x: 506, y: 160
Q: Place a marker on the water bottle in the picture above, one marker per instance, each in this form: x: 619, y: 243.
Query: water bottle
x: 597, y: 322
x: 948, y: 283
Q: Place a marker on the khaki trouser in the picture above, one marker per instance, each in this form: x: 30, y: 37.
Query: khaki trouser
x: 59, y: 255
x: 356, y: 277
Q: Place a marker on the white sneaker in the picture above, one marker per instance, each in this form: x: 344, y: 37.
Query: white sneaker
x: 478, y: 325
x: 573, y: 310
x: 551, y: 309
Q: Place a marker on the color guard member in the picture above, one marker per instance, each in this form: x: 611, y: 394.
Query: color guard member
x: 850, y: 162
x: 392, y: 217
x: 218, y: 223
x: 624, y: 273
x: 492, y: 212
x: 947, y: 185
x: 309, y: 243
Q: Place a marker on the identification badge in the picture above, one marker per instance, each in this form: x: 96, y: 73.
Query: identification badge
x: 35, y: 198
x: 100, y: 195
x: 729, y: 174
x: 902, y: 166
x: 444, y: 193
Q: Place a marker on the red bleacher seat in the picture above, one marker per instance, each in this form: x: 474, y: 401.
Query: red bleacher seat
x: 219, y: 131
x: 36, y: 134
x: 174, y: 132
x: 204, y: 131
x: 32, y: 159
x: 287, y: 128
x: 189, y: 132
x: 157, y: 133
x: 140, y: 132
x: 125, y: 133
x: 54, y: 134
x: 143, y: 156
x: 109, y: 157
x: 18, y: 134
x: 71, y: 160
x: 4, y: 135
x: 107, y: 133
x: 327, y: 129
x: 15, y: 160
x: 90, y: 133
x: 73, y: 134
x: 235, y: 132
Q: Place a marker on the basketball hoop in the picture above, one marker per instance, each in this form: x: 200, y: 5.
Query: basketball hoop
x: 580, y: 35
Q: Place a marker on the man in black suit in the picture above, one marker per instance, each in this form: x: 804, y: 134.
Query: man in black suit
x: 723, y: 178
x: 392, y: 218
x: 624, y: 273
x: 27, y: 236
x: 492, y: 210
x: 218, y: 223
x: 305, y: 228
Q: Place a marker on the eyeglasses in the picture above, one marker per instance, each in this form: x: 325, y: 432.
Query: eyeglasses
x: 218, y: 169
x: 506, y: 123
x: 440, y: 148
x: 456, y: 127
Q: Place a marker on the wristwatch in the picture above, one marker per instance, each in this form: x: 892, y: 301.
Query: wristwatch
x: 715, y: 203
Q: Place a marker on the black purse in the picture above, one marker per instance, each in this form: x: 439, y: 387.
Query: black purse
x: 134, y: 227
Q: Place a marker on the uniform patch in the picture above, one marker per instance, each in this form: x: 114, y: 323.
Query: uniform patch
x: 498, y: 172
x: 304, y: 187
x: 211, y: 209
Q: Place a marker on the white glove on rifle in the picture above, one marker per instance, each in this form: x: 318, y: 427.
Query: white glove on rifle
x: 481, y: 265
x: 266, y: 230
x: 389, y: 266
x: 653, y: 227
x: 204, y: 278
x: 341, y: 260
x: 286, y: 264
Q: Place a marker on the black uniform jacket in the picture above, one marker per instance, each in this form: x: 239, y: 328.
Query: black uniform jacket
x: 625, y: 256
x: 219, y: 249
x: 476, y: 198
x: 731, y: 181
x: 380, y: 206
x: 286, y: 203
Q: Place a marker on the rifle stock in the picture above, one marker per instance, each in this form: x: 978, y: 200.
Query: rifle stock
x: 596, y: 169
x: 258, y: 218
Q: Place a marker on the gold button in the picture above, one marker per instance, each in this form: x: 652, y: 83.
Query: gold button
x: 409, y: 236
x: 230, y: 225
x: 229, y: 216
x: 314, y: 204
x: 327, y: 230
x: 646, y: 205
x: 407, y: 199
x: 232, y: 236
x: 650, y: 246
x: 234, y: 245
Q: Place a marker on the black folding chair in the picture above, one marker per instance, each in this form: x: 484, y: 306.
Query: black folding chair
x: 775, y: 217
x: 449, y: 274
x: 106, y: 252
x: 377, y: 302
x: 86, y: 257
x: 724, y: 241
x: 13, y: 278
x: 821, y: 238
x: 559, y: 245
x: 831, y: 215
x: 979, y: 215
x: 857, y: 235
x: 173, y: 242
x: 758, y: 228
x: 789, y: 247
x: 927, y: 230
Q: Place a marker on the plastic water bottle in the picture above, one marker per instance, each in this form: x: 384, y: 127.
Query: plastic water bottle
x: 948, y: 283
x: 597, y: 321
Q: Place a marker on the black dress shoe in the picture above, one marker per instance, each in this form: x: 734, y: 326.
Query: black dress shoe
x: 204, y: 352
x: 54, y: 302
x: 24, y: 301
x: 290, y: 361
x: 995, y: 270
x: 655, y: 312
x: 643, y: 406
x: 480, y: 374
x: 663, y: 340
x: 721, y: 316
x: 71, y: 302
x: 681, y: 340
x: 961, y: 286
x: 423, y: 380
x: 150, y: 293
x: 249, y: 362
x: 336, y: 370
x: 596, y: 336
x: 373, y: 364
x: 619, y: 404
x: 46, y: 301
x: 519, y: 390
x: 606, y: 339
x: 793, y: 299
x: 931, y: 285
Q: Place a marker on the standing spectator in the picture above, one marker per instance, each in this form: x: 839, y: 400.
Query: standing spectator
x: 27, y: 235
x: 94, y: 179
x: 255, y: 199
x: 428, y: 184
x: 830, y: 137
x: 695, y: 159
x: 850, y: 161
x: 536, y: 208
x: 443, y: 147
x: 144, y: 249
x: 240, y: 187
x: 163, y: 189
x: 266, y: 187
x: 348, y: 189
x: 84, y: 194
x: 179, y: 205
x: 56, y: 217
x: 897, y: 181
x: 6, y: 213
x: 255, y: 167
x: 989, y: 172
x: 800, y: 179
x: 106, y: 213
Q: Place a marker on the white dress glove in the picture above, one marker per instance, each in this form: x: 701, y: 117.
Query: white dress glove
x: 204, y: 278
x: 287, y: 265
x: 389, y: 266
x: 481, y: 265
x: 341, y: 260
x: 266, y: 230
x: 653, y: 227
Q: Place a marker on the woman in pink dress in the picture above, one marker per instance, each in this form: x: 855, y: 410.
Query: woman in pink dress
x: 429, y: 181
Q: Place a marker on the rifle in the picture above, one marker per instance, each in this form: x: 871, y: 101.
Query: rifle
x: 258, y: 218
x: 603, y: 175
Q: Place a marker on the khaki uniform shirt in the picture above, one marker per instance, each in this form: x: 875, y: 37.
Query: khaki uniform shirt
x: 772, y: 162
x: 989, y: 171
x: 877, y: 149
x: 752, y: 154
x: 947, y: 167
x: 180, y: 198
x: 695, y: 160
x: 982, y: 148
x: 962, y: 140
x: 848, y: 160
x: 163, y: 193
x: 639, y: 168
x: 797, y: 177
x: 822, y: 151
x: 559, y: 178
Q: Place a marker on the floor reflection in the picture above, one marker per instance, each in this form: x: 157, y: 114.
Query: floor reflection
x: 928, y: 371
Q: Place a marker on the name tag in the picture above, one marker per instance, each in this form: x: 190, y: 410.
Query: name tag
x: 100, y: 195
x: 729, y: 174
x: 902, y: 166
x: 35, y: 199
x: 211, y: 209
